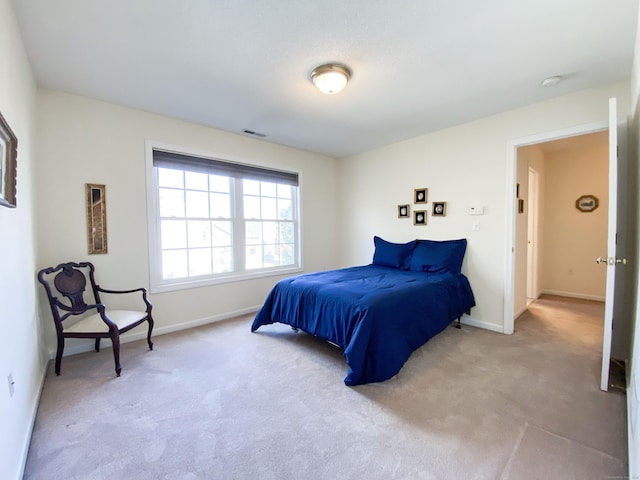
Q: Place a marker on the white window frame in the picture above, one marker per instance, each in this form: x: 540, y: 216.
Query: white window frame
x: 156, y: 283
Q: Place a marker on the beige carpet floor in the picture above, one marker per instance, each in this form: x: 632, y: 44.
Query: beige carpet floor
x: 219, y: 402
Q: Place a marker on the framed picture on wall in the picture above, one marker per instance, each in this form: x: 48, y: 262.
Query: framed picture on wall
x: 587, y: 203
x: 8, y: 164
x: 404, y: 211
x: 420, y: 195
x: 96, y: 197
x: 439, y: 209
x: 420, y: 217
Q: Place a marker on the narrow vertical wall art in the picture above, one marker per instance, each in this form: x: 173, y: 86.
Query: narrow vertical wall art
x: 96, y: 218
x: 8, y: 164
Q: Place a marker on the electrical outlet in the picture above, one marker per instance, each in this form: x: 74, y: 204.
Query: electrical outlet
x: 11, y: 384
x: 475, y: 226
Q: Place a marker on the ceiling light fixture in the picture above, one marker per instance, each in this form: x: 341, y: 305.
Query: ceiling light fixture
x: 551, y: 81
x: 330, y: 78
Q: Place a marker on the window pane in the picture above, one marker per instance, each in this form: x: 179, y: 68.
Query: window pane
x: 285, y: 209
x: 286, y: 232
x: 251, y: 207
x: 174, y: 264
x: 197, y: 204
x: 200, y: 262
x: 171, y: 202
x: 173, y: 234
x: 196, y: 181
x: 219, y: 184
x: 271, y: 257
x: 168, y: 177
x: 199, y: 232
x: 253, y: 233
x: 251, y: 187
x: 222, y: 260
x: 253, y: 257
x: 220, y: 205
x: 270, y: 232
x: 269, y: 208
x: 221, y: 234
x: 284, y: 191
x: 286, y: 254
x: 268, y: 189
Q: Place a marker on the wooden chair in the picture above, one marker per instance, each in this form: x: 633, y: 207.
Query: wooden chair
x: 74, y: 318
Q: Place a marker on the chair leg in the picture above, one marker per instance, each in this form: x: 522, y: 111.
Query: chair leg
x: 59, y: 353
x: 98, y: 344
x: 115, y: 340
x: 150, y: 320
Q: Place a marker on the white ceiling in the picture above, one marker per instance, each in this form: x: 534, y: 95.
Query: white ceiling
x: 418, y: 65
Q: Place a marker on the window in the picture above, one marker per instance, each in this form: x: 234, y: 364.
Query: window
x: 213, y: 220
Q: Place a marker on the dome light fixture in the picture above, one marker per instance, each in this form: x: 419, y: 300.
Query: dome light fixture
x: 330, y: 78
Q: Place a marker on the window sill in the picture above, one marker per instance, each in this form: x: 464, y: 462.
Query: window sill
x: 205, y: 282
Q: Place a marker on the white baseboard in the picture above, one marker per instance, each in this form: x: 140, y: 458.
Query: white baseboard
x: 34, y: 412
x: 141, y: 333
x: 581, y: 296
x: 469, y: 320
x: 520, y: 312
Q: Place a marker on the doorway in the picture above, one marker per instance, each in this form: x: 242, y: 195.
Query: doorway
x: 517, y: 283
x: 570, y: 168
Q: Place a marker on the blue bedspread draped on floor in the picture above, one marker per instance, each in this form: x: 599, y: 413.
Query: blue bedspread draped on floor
x: 379, y: 315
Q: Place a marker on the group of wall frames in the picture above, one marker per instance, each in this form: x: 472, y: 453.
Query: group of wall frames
x: 420, y: 197
x: 96, y: 197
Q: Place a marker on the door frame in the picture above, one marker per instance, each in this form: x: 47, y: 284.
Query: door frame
x: 511, y: 210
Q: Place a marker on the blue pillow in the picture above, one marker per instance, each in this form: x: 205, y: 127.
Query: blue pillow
x: 438, y: 256
x: 395, y: 255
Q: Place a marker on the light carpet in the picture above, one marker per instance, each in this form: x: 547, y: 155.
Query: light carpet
x: 219, y: 402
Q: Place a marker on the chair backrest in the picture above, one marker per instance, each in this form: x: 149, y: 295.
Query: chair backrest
x: 70, y: 280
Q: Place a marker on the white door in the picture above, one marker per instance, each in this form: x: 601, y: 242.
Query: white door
x: 610, y: 260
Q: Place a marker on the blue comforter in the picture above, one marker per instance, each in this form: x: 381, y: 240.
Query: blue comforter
x: 379, y: 315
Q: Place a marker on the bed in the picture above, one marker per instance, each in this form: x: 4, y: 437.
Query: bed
x: 378, y: 313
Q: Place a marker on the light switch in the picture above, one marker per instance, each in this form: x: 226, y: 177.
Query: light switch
x: 476, y: 210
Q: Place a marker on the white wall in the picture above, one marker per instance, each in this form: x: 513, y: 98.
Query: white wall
x: 573, y: 239
x: 86, y: 141
x: 463, y: 165
x: 20, y: 345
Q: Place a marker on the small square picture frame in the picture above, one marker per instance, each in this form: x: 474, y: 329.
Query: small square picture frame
x: 404, y: 211
x: 439, y: 209
x: 420, y: 217
x: 420, y: 195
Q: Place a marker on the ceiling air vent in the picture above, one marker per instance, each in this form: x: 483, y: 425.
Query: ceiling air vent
x: 255, y: 134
